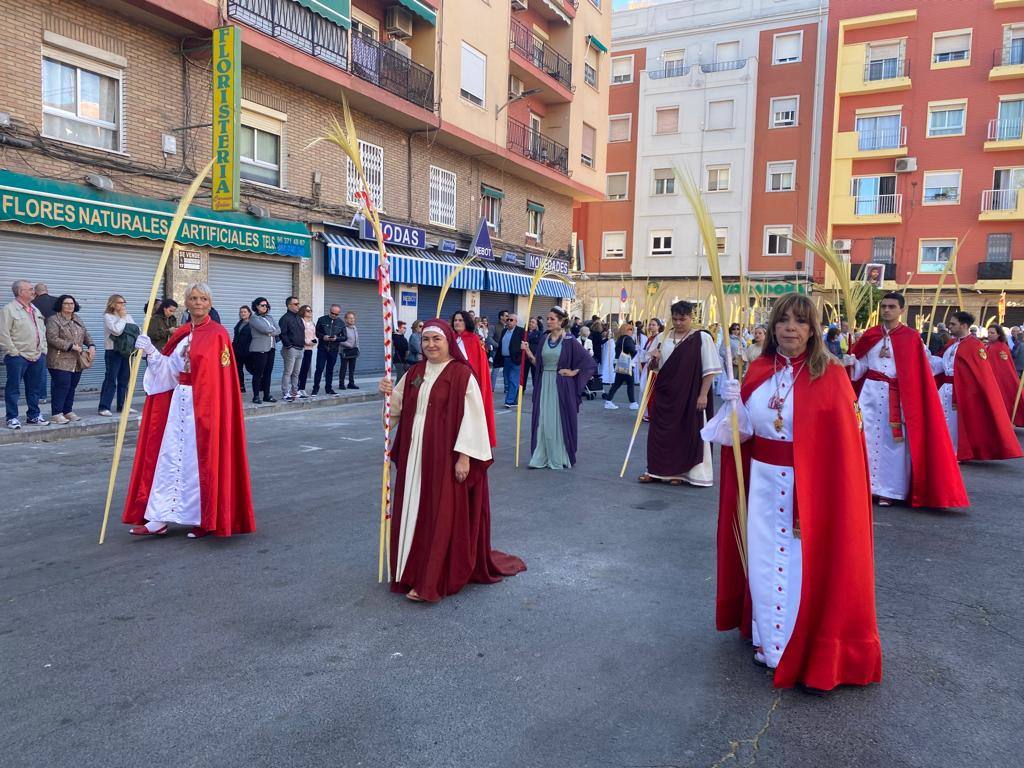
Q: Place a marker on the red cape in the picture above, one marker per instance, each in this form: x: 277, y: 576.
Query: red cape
x: 835, y: 639
x: 224, y: 489
x: 452, y: 541
x: 935, y: 479
x: 1001, y: 360
x: 477, y: 357
x: 984, y: 430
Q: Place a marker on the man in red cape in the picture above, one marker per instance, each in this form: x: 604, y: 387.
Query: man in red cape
x: 835, y: 636
x: 441, y: 520
x: 975, y: 413
x: 909, y: 451
x: 1001, y: 360
x: 190, y: 464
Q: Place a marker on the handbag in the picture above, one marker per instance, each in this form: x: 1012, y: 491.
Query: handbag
x: 125, y: 343
x: 624, y: 364
x: 84, y: 361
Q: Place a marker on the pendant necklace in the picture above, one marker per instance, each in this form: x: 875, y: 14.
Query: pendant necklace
x: 778, y: 400
x: 886, y: 351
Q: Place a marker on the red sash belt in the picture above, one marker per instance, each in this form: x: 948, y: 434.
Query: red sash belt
x: 895, y: 425
x: 779, y: 453
x: 941, y: 379
x: 185, y: 378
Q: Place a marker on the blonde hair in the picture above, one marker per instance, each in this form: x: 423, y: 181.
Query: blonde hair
x: 111, y: 303
x: 803, y: 309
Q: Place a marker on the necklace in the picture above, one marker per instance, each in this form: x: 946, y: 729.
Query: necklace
x: 778, y: 400
x: 886, y: 351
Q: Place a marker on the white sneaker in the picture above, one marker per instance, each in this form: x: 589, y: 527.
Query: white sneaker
x: 634, y: 406
x: 13, y: 424
x: 302, y: 394
x: 610, y: 406
x: 60, y: 418
x: 105, y: 412
x: 287, y: 398
x: 131, y: 411
x: 72, y: 416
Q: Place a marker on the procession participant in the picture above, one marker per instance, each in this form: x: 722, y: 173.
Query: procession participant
x: 190, y: 465
x: 1001, y: 360
x: 686, y: 360
x: 643, y: 361
x: 909, y: 452
x: 441, y: 524
x: 563, y: 369
x: 607, y: 362
x: 974, y: 408
x: 808, y: 601
x: 472, y: 348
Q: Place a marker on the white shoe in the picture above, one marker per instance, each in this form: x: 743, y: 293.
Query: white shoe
x: 301, y: 394
x: 105, y: 412
x: 610, y: 406
x: 13, y: 424
x: 634, y: 406
x: 72, y: 416
x: 131, y: 411
x: 60, y: 418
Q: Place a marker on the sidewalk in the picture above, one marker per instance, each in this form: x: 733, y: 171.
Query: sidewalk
x: 87, y: 403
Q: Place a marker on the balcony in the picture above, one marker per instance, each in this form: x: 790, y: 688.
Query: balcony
x: 1002, y: 205
x: 534, y: 145
x: 1004, y: 134
x: 859, y: 73
x: 723, y: 66
x: 540, y: 64
x: 866, y: 145
x: 369, y: 60
x: 1008, y: 61
x: 551, y: 10
x: 995, y: 270
x: 672, y: 69
x: 865, y: 209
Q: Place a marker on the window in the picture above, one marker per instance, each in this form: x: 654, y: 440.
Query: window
x: 941, y: 187
x: 1009, y: 125
x: 951, y: 46
x: 622, y: 70
x: 590, y: 65
x: 718, y: 178
x: 883, y: 250
x: 589, y: 143
x: 879, y: 132
x: 875, y: 195
x: 777, y: 241
x: 721, y: 242
x: 787, y: 48
x: 720, y: 114
x: 442, y: 197
x: 474, y: 75
x: 534, y: 220
x: 664, y: 181
x: 1013, y: 44
x: 935, y: 254
x: 727, y: 51
x: 783, y: 112
x: 780, y: 176
x: 884, y: 61
x: 259, y: 152
x: 947, y: 119
x: 674, y: 62
x: 666, y: 120
x: 620, y: 128
x: 82, y: 106
x: 490, y: 206
x: 661, y: 242
x: 617, y: 186
x: 614, y: 245
x: 998, y: 247
x: 372, y: 158
x: 1006, y: 186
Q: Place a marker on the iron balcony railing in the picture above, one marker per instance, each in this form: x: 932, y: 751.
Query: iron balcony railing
x: 525, y: 141
x: 892, y: 138
x: 1010, y: 54
x: 672, y: 69
x: 995, y: 270
x: 543, y: 56
x: 723, y: 66
x: 884, y: 69
x: 291, y: 23
x: 877, y: 204
x: 1006, y: 129
x: 999, y: 199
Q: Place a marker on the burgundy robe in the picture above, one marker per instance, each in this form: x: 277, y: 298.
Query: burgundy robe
x: 674, y: 444
x: 570, y: 389
x: 452, y: 542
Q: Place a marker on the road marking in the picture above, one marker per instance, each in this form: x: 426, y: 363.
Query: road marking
x: 308, y: 448
x: 357, y: 439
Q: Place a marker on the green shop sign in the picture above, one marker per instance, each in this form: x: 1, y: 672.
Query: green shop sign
x: 29, y: 200
x: 767, y: 289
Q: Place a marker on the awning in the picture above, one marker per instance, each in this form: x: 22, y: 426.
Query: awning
x: 337, y: 11
x: 597, y: 44
x: 530, y: 206
x: 422, y: 10
x: 555, y: 288
x: 491, y: 191
x: 555, y: 6
x: 505, y: 278
x: 350, y: 257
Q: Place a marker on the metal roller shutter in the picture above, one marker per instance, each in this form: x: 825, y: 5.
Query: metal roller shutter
x: 492, y: 303
x: 361, y: 297
x: 237, y: 281
x: 429, y: 294
x: 88, y: 271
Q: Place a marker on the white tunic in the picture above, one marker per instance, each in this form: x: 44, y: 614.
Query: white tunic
x: 473, y: 440
x: 945, y: 365
x: 702, y: 474
x: 174, y: 497
x: 774, y: 556
x: 888, y: 460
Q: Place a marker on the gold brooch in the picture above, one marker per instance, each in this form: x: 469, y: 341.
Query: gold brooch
x: 983, y: 355
x: 860, y: 415
x: 225, y: 358
x: 1003, y: 356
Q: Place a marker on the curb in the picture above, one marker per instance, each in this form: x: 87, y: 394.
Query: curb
x: 57, y: 433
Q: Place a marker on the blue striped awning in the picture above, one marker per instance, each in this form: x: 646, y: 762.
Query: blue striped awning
x: 350, y: 257
x: 555, y: 288
x: 504, y: 278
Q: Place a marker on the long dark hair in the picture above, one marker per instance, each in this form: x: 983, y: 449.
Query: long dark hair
x: 466, y: 318
x: 1000, y: 331
x: 803, y: 309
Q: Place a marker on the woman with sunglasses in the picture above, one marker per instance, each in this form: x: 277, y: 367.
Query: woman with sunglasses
x: 264, y: 331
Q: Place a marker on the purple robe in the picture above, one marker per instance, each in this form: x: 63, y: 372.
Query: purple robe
x: 570, y: 389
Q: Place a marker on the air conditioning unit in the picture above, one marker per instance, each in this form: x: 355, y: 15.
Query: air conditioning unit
x: 400, y: 48
x: 515, y: 87
x: 842, y: 246
x: 906, y: 164
x: 519, y: 5
x: 399, y: 22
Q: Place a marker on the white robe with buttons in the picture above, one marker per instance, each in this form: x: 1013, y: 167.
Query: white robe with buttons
x: 945, y: 365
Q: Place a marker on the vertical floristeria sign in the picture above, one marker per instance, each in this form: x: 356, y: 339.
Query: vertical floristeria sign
x: 227, y: 90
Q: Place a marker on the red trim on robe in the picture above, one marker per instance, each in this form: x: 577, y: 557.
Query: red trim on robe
x: 477, y: 357
x: 1001, y: 360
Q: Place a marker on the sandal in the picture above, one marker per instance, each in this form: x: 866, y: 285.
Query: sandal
x: 412, y: 595
x: 675, y: 481
x: 646, y: 478
x: 141, y: 530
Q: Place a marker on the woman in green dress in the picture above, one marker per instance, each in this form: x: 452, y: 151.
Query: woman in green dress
x: 563, y: 369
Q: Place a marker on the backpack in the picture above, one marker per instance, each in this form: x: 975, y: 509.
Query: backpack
x: 125, y: 343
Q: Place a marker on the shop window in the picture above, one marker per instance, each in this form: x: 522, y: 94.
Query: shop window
x: 82, y: 105
x: 442, y: 197
x: 372, y: 158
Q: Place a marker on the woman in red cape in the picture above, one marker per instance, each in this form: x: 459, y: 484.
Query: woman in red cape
x: 441, y: 519
x: 190, y: 464
x: 1001, y: 360
x: 808, y: 602
x: 472, y: 348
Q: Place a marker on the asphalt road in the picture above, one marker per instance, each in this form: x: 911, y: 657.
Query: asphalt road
x: 280, y: 649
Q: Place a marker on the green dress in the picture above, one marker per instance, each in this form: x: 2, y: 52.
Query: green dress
x: 550, y: 451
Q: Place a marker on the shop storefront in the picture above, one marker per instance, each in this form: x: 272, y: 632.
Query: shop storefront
x: 91, y: 243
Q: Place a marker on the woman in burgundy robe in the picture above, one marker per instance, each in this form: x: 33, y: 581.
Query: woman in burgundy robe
x: 441, y: 520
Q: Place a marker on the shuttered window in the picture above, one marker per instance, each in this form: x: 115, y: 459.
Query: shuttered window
x: 474, y: 75
x: 617, y: 185
x: 372, y: 158
x: 720, y: 114
x: 619, y: 127
x: 951, y: 47
x: 664, y: 181
x: 442, y: 197
x: 787, y: 48
x: 615, y: 245
x: 589, y: 142
x: 666, y: 120
x: 783, y: 112
x: 622, y: 70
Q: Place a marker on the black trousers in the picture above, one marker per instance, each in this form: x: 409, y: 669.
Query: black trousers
x: 240, y: 362
x: 348, y: 368
x: 307, y: 359
x: 262, y: 365
x: 620, y: 379
x: 326, y: 359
